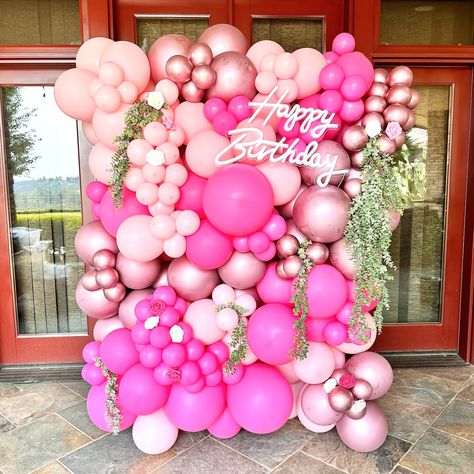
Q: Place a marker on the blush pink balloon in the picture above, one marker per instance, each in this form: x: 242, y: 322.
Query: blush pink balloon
x: 352, y: 348
x: 190, y: 117
x: 242, y: 270
x: 102, y: 327
x: 318, y: 365
x: 94, y: 303
x: 284, y: 178
x: 100, y: 162
x: 127, y: 306
x: 340, y: 258
x: 223, y: 37
x: 88, y: 55
x: 316, y: 407
x: 288, y: 371
x: 272, y: 288
x: 263, y: 48
x: 92, y: 237
x: 137, y: 275
x: 310, y: 63
x: 201, y: 316
x: 339, y: 357
x: 225, y: 427
x: 109, y: 126
x: 89, y: 133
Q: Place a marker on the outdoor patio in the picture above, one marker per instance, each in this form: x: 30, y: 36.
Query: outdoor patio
x: 44, y: 428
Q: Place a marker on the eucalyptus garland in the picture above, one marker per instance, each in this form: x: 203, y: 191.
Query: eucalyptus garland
x: 138, y: 116
x: 300, y: 300
x: 369, y: 235
x: 112, y: 411
x: 238, y: 343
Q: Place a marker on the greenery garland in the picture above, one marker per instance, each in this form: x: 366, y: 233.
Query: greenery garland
x: 300, y: 300
x: 238, y: 343
x: 369, y: 235
x: 112, y: 411
x: 138, y: 116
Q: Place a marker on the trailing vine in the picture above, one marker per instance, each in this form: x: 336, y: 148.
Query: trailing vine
x: 238, y: 342
x: 300, y: 300
x: 138, y: 116
x: 112, y: 411
x: 369, y: 235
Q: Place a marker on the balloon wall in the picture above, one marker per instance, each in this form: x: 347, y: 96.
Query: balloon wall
x: 225, y: 291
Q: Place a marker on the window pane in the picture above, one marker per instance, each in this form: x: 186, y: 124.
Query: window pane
x: 417, y: 245
x: 291, y: 33
x: 422, y: 22
x: 45, y: 209
x: 40, y: 22
x: 149, y: 29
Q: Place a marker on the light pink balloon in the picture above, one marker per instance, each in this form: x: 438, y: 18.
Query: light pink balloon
x: 318, y: 365
x: 92, y: 237
x: 310, y: 63
x: 339, y: 357
x: 102, y: 327
x: 262, y: 48
x: 288, y: 371
x: 340, y: 257
x: 71, y: 93
x: 201, y: 316
x: 351, y: 348
x: 223, y: 37
x: 242, y: 270
x: 137, y: 275
x: 94, y: 303
x: 286, y: 210
x: 88, y: 55
x: 127, y: 306
x: 132, y: 59
x: 306, y: 422
x: 190, y: 117
x: 296, y: 389
x: 89, y: 133
x: 135, y: 240
x: 100, y: 162
x: 202, y: 150
x: 284, y: 178
x: 316, y: 407
x: 109, y: 126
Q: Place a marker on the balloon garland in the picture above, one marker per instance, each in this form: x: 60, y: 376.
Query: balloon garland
x: 243, y: 203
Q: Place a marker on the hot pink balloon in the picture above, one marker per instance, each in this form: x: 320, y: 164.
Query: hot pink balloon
x: 357, y: 64
x: 118, y: 351
x: 94, y: 303
x: 272, y: 288
x: 315, y: 328
x: 191, y: 194
x: 242, y: 270
x: 225, y: 426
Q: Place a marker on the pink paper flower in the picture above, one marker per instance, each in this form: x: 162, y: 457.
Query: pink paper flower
x: 157, y: 306
x: 393, y: 130
x: 168, y: 123
x: 347, y: 381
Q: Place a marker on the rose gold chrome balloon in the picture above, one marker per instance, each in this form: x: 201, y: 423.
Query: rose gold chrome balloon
x: 357, y: 159
x: 318, y: 253
x: 399, y: 94
x: 400, y: 75
x: 340, y: 399
x: 88, y: 281
x: 410, y: 123
x: 356, y: 414
x: 179, y: 68
x: 396, y: 113
x: 287, y: 245
x: 375, y: 103
x: 203, y: 76
x: 362, y: 390
x: 386, y: 145
x: 292, y: 265
x: 117, y: 293
x: 352, y: 187
x: 415, y: 99
x: 191, y: 93
x: 393, y: 218
x: 107, y: 277
x: 340, y: 258
x: 200, y: 53
x: 103, y: 258
x: 293, y: 230
x: 280, y: 270
x: 286, y: 210
x: 355, y: 138
x: 380, y: 75
x: 400, y: 140
x: 378, y: 89
x: 373, y: 117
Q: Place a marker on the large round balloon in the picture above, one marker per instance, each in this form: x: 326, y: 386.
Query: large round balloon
x: 272, y: 288
x: 92, y: 237
x: 94, y: 303
x: 223, y: 37
x: 242, y: 270
x: 316, y: 407
x: 318, y: 365
x: 118, y: 351
x: 238, y: 200
x: 262, y: 401
x: 137, y: 275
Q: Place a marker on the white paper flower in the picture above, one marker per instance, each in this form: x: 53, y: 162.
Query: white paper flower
x: 156, y: 99
x: 177, y: 333
x: 155, y: 157
x: 359, y: 405
x: 329, y: 385
x: 373, y: 128
x: 152, y: 322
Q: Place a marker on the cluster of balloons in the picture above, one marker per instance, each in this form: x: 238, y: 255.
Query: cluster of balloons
x: 200, y: 255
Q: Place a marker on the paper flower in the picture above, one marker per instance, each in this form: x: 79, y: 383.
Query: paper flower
x: 359, y: 405
x: 157, y: 306
x: 393, y: 130
x: 347, y: 381
x: 155, y: 157
x: 177, y: 333
x: 152, y: 322
x: 373, y: 128
x: 329, y: 385
x: 168, y: 123
x: 156, y: 99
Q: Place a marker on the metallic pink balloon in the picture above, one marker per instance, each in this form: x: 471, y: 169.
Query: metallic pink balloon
x: 286, y: 210
x: 94, y: 303
x: 378, y: 88
x: 340, y: 399
x: 88, y: 281
x: 103, y: 258
x: 381, y: 75
x: 223, y: 37
x: 322, y: 213
x: 356, y: 413
x: 107, y: 277
x: 117, y: 293
x: 373, y: 117
x: 200, y: 53
x: 394, y: 219
x: 189, y: 281
x: 318, y: 253
x: 355, y: 138
x: 242, y: 270
x: 400, y: 75
x: 333, y: 151
x: 357, y: 159
x: 362, y: 390
x: 92, y: 237
x: 375, y: 103
x: 292, y: 265
x: 235, y: 76
x: 293, y: 230
x: 164, y: 48
x: 191, y: 93
x: 338, y: 373
x: 399, y: 94
x: 352, y: 187
x: 415, y: 99
x: 280, y: 271
x: 137, y: 275
x: 340, y: 257
x: 287, y: 245
x: 179, y: 68
x: 410, y: 123
x: 386, y: 145
x: 203, y: 76
x: 400, y: 140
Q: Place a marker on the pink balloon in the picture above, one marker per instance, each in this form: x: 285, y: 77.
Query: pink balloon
x: 284, y: 178
x: 335, y: 333
x: 201, y: 316
x: 271, y: 334
x: 231, y: 202
x: 108, y: 126
x: 353, y: 87
x: 331, y: 77
x: 208, y: 248
x: 262, y: 401
x: 310, y: 63
x: 195, y: 411
x: 223, y: 122
x: 94, y: 303
x: 357, y: 64
x: 239, y: 107
x: 315, y: 328
x: 263, y: 48
x: 191, y: 194
x: 372, y: 368
x: 316, y: 407
x: 351, y: 111
x: 223, y: 37
x: 92, y: 374
x: 92, y: 237
x: 139, y: 391
x: 96, y: 409
x: 102, y: 327
x: 359, y: 347
x: 100, y: 163
x: 272, y: 288
x: 305, y: 421
x: 242, y: 270
x: 137, y: 275
x: 365, y: 434
x: 339, y: 357
x: 71, y: 93
x: 89, y: 133
x: 225, y: 426
x: 135, y: 240
x: 118, y: 352
x: 327, y: 291
x: 340, y: 257
x: 88, y: 55
x: 95, y: 190
x: 343, y: 43
x: 190, y: 117
x: 191, y: 282
x: 318, y: 365
x: 127, y: 306
x: 344, y: 315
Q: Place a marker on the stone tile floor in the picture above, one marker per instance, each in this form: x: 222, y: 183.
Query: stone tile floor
x: 44, y: 429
